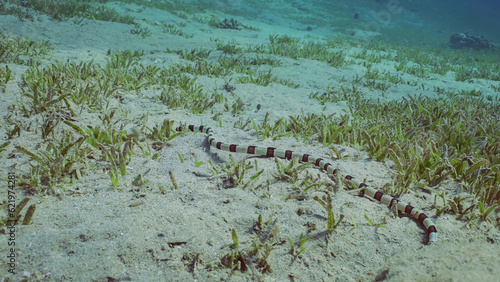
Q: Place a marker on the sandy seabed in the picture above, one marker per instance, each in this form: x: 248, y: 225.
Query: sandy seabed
x: 94, y: 232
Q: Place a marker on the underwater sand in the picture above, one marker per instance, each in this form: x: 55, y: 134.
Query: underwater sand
x: 91, y: 233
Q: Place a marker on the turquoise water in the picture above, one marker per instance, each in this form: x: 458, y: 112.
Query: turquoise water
x: 421, y: 22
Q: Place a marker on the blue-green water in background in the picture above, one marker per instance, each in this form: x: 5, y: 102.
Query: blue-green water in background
x: 427, y: 22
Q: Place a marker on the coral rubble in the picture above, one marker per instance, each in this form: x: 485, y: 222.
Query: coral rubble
x: 466, y: 40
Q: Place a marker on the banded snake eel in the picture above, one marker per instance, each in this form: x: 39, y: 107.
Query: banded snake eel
x: 319, y: 162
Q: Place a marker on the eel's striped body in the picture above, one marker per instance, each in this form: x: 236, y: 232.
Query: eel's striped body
x: 319, y: 162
